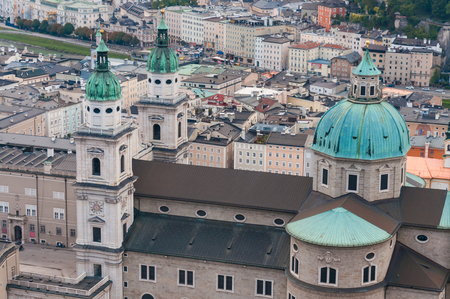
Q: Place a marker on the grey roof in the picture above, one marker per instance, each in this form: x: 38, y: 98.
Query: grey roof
x: 209, y: 240
x: 435, y: 142
x: 251, y: 189
x: 7, y: 82
x: 29, y: 72
x: 414, y: 42
x: 17, y: 118
x: 351, y: 57
x: 52, y: 68
x: 263, y: 4
x: 311, y: 5
x: 415, y: 115
x: 36, y: 141
x: 231, y: 131
x: 267, y: 128
x: 287, y: 139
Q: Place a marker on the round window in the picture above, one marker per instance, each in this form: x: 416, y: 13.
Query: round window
x: 88, y: 108
x: 176, y: 80
x: 278, y: 222
x: 422, y: 238
x: 118, y: 108
x: 370, y: 256
x: 149, y: 80
x: 295, y: 247
x: 164, y: 209
x: 109, y: 110
x: 168, y: 81
x: 157, y: 81
x: 96, y: 110
x: 239, y: 217
x: 201, y: 213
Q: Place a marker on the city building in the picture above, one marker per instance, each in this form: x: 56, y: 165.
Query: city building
x: 398, y: 67
x: 192, y: 26
x: 19, y: 120
x: 285, y: 153
x: 378, y: 56
x: 214, y: 33
x: 271, y: 52
x: 327, y: 11
x: 300, y: 54
x: 427, y: 146
x: 348, y: 38
x: 422, y: 67
x: 329, y: 51
x: 225, y: 83
x: 342, y: 66
x: 318, y: 37
x: 425, y: 121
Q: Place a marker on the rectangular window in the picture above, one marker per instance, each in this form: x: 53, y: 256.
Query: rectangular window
x: 4, y: 223
x: 363, y: 90
x: 291, y: 296
x: 58, y: 195
x: 58, y: 213
x: 369, y: 274
x: 325, y: 176
x: 264, y: 288
x: 30, y: 192
x: 148, y: 273
x: 328, y: 275
x: 97, y: 234
x: 31, y: 210
x: 73, y: 233
x: 372, y: 90
x: 58, y: 231
x: 352, y: 182
x: 43, y: 229
x: 4, y: 207
x: 384, y: 182
x: 225, y: 283
x: 402, y: 175
x: 294, y: 265
x: 4, y: 189
x: 31, y: 227
x: 186, y: 278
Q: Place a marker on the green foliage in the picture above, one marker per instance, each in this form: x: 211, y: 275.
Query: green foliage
x: 43, y: 26
x: 165, y: 3
x: 135, y: 41
x: 436, y: 75
x: 19, y: 23
x: 68, y: 29
x: 27, y: 24
x: 35, y: 25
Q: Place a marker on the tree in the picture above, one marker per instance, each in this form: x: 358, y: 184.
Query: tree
x: 119, y: 37
x: 43, y: 26
x: 135, y: 41
x: 89, y: 33
x: 60, y: 31
x: 113, y: 36
x: 68, y: 29
x: 436, y: 75
x: 447, y: 8
x: 81, y: 32
x: 20, y: 22
x: 127, y: 39
x: 27, y: 24
x: 438, y: 8
x: 35, y: 25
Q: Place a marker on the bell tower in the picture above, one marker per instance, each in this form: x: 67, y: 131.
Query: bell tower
x: 104, y: 186
x: 164, y: 109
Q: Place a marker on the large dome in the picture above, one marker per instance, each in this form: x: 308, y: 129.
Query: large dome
x: 103, y: 86
x: 162, y: 60
x: 358, y: 130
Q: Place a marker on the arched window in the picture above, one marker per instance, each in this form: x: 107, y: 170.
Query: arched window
x: 179, y: 129
x: 122, y: 164
x: 156, y: 132
x: 369, y: 274
x: 95, y: 166
x: 328, y: 275
x: 147, y: 296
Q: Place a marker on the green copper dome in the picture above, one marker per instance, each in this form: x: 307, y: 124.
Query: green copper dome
x: 366, y: 66
x: 367, y: 131
x: 163, y: 58
x: 102, y: 84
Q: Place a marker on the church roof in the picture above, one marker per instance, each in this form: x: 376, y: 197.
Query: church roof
x: 359, y: 130
x: 102, y: 47
x: 366, y: 67
x: 209, y: 240
x: 345, y: 222
x: 227, y: 187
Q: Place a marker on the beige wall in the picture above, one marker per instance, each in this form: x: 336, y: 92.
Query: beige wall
x: 204, y: 154
x: 320, y: 38
x: 289, y: 160
x: 173, y: 20
x: 31, y: 126
x: 330, y: 52
x: 404, y: 293
x: 9, y: 265
x: 421, y: 64
x: 298, y: 58
x: 205, y: 278
x: 398, y: 67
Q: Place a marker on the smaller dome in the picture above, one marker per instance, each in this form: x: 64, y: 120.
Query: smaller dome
x: 162, y: 60
x: 103, y: 86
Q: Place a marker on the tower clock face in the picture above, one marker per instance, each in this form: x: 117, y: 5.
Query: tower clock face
x: 95, y: 55
x: 96, y: 207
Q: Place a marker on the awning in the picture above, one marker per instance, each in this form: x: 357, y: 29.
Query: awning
x: 220, y: 52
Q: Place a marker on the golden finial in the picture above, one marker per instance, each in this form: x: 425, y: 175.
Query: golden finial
x: 162, y: 10
x: 367, y: 41
x: 101, y: 28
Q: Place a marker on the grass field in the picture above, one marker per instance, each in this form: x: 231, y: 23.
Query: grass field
x: 53, y: 45
x: 446, y: 103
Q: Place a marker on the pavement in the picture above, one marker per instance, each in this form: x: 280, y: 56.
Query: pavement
x: 48, y: 260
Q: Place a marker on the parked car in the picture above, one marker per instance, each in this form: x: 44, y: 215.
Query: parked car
x: 439, y: 90
x: 390, y: 85
x: 409, y: 87
x: 426, y: 89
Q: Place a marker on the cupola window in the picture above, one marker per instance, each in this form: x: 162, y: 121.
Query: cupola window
x: 384, y: 182
x: 239, y: 217
x: 294, y: 265
x: 201, y: 213
x: 122, y: 164
x: 352, y: 183
x: 118, y: 108
x: 156, y: 132
x: 363, y: 90
x: 164, y: 209
x: 96, y: 110
x: 372, y: 90
x: 179, y: 129
x: 168, y: 81
x: 328, y: 276
x: 109, y: 110
x: 95, y: 166
x: 157, y: 81
x: 325, y: 177
x: 369, y: 274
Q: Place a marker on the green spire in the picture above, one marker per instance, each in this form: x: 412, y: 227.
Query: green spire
x: 163, y: 38
x: 366, y: 66
x: 102, y: 47
x: 102, y: 57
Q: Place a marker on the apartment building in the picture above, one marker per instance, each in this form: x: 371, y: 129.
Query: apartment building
x: 241, y: 32
x: 192, y: 26
x: 25, y: 121
x: 250, y: 152
x: 79, y: 14
x: 348, y: 38
x: 421, y: 67
x: 213, y: 147
x: 226, y: 83
x: 285, y: 153
x: 342, y: 66
x: 398, y: 67
x: 415, y: 43
x: 271, y: 52
x: 300, y: 54
x: 427, y: 146
x: 173, y: 17
x: 378, y: 55
x: 327, y: 11
x: 329, y: 51
x: 214, y: 33
x: 323, y: 38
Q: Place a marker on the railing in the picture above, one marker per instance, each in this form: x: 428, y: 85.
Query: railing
x: 87, y: 130
x: 159, y: 100
x: 53, y: 278
x: 54, y: 288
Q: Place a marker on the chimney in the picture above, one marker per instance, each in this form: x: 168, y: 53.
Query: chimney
x: 53, y: 138
x: 50, y: 152
x: 239, y: 108
x: 428, y: 133
x: 47, y: 167
x: 72, y: 140
x: 427, y: 147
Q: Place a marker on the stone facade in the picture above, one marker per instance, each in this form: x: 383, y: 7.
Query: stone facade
x: 402, y: 293
x: 369, y: 174
x: 205, y: 278
x: 306, y: 293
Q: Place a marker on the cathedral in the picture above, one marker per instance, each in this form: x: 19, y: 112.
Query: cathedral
x: 152, y: 227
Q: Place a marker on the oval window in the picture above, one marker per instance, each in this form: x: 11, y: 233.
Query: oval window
x: 295, y: 247
x: 239, y: 217
x: 278, y: 222
x: 168, y: 81
x: 96, y: 110
x: 201, y: 213
x: 88, y: 108
x: 370, y: 256
x: 421, y: 238
x: 149, y: 80
x: 109, y: 110
x: 176, y: 80
x: 164, y: 209
x: 157, y: 81
x: 118, y: 108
